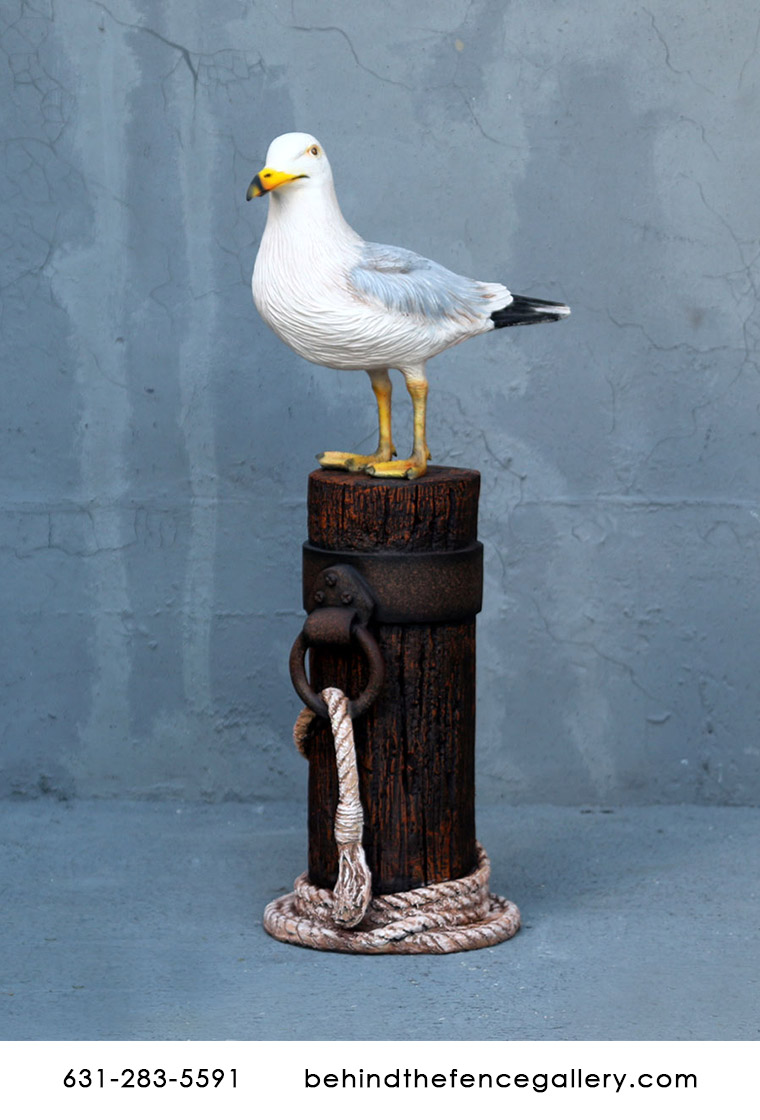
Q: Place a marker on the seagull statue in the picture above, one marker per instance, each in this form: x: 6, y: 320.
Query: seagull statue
x: 347, y: 303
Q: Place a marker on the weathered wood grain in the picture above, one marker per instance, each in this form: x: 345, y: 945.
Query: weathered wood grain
x: 416, y: 746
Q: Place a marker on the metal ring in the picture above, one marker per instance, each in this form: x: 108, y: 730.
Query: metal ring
x: 362, y: 702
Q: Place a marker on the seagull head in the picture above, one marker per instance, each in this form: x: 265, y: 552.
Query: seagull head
x: 293, y: 159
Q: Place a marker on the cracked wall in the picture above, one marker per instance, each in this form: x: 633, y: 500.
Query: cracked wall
x: 157, y: 438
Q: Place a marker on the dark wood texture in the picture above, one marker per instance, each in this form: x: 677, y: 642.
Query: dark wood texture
x: 416, y: 746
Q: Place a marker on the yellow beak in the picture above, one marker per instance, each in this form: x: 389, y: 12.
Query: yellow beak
x: 268, y: 180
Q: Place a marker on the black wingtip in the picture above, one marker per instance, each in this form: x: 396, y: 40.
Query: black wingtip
x: 524, y: 310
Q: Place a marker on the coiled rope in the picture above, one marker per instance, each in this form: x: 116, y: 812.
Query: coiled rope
x: 440, y: 918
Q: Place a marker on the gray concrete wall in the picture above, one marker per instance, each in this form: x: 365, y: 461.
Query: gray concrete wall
x: 156, y: 437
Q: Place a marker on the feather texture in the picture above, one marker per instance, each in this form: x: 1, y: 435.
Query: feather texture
x: 523, y: 310
x: 343, y: 302
x: 400, y: 280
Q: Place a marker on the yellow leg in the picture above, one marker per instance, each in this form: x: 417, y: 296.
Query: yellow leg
x: 350, y: 460
x: 416, y: 466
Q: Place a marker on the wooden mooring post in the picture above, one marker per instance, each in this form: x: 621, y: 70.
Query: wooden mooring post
x: 416, y: 744
x: 392, y: 581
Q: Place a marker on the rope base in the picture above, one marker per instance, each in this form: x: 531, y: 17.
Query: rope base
x: 445, y: 917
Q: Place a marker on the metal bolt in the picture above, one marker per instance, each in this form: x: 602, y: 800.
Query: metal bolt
x: 347, y: 597
x: 319, y: 596
x: 331, y: 579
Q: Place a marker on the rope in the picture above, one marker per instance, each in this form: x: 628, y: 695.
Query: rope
x: 441, y: 918
x: 353, y: 888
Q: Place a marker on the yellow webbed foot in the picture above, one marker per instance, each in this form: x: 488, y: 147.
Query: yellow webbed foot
x: 401, y: 468
x: 350, y: 461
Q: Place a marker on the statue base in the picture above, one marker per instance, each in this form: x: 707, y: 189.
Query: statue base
x: 392, y: 585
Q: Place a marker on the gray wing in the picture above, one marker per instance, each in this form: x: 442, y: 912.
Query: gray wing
x: 405, y: 282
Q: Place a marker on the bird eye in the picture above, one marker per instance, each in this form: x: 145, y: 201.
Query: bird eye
x: 314, y: 151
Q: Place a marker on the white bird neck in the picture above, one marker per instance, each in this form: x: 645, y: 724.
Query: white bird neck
x: 310, y: 214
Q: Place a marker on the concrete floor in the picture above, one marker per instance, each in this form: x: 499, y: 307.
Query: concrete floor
x: 126, y: 920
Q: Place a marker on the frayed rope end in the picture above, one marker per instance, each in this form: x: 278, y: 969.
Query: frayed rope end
x: 353, y: 889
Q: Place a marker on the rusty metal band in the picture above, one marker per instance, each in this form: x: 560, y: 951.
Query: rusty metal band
x: 408, y: 587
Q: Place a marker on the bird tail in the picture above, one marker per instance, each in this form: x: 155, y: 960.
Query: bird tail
x: 525, y: 309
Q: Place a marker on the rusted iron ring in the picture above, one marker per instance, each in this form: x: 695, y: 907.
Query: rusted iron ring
x: 362, y: 702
